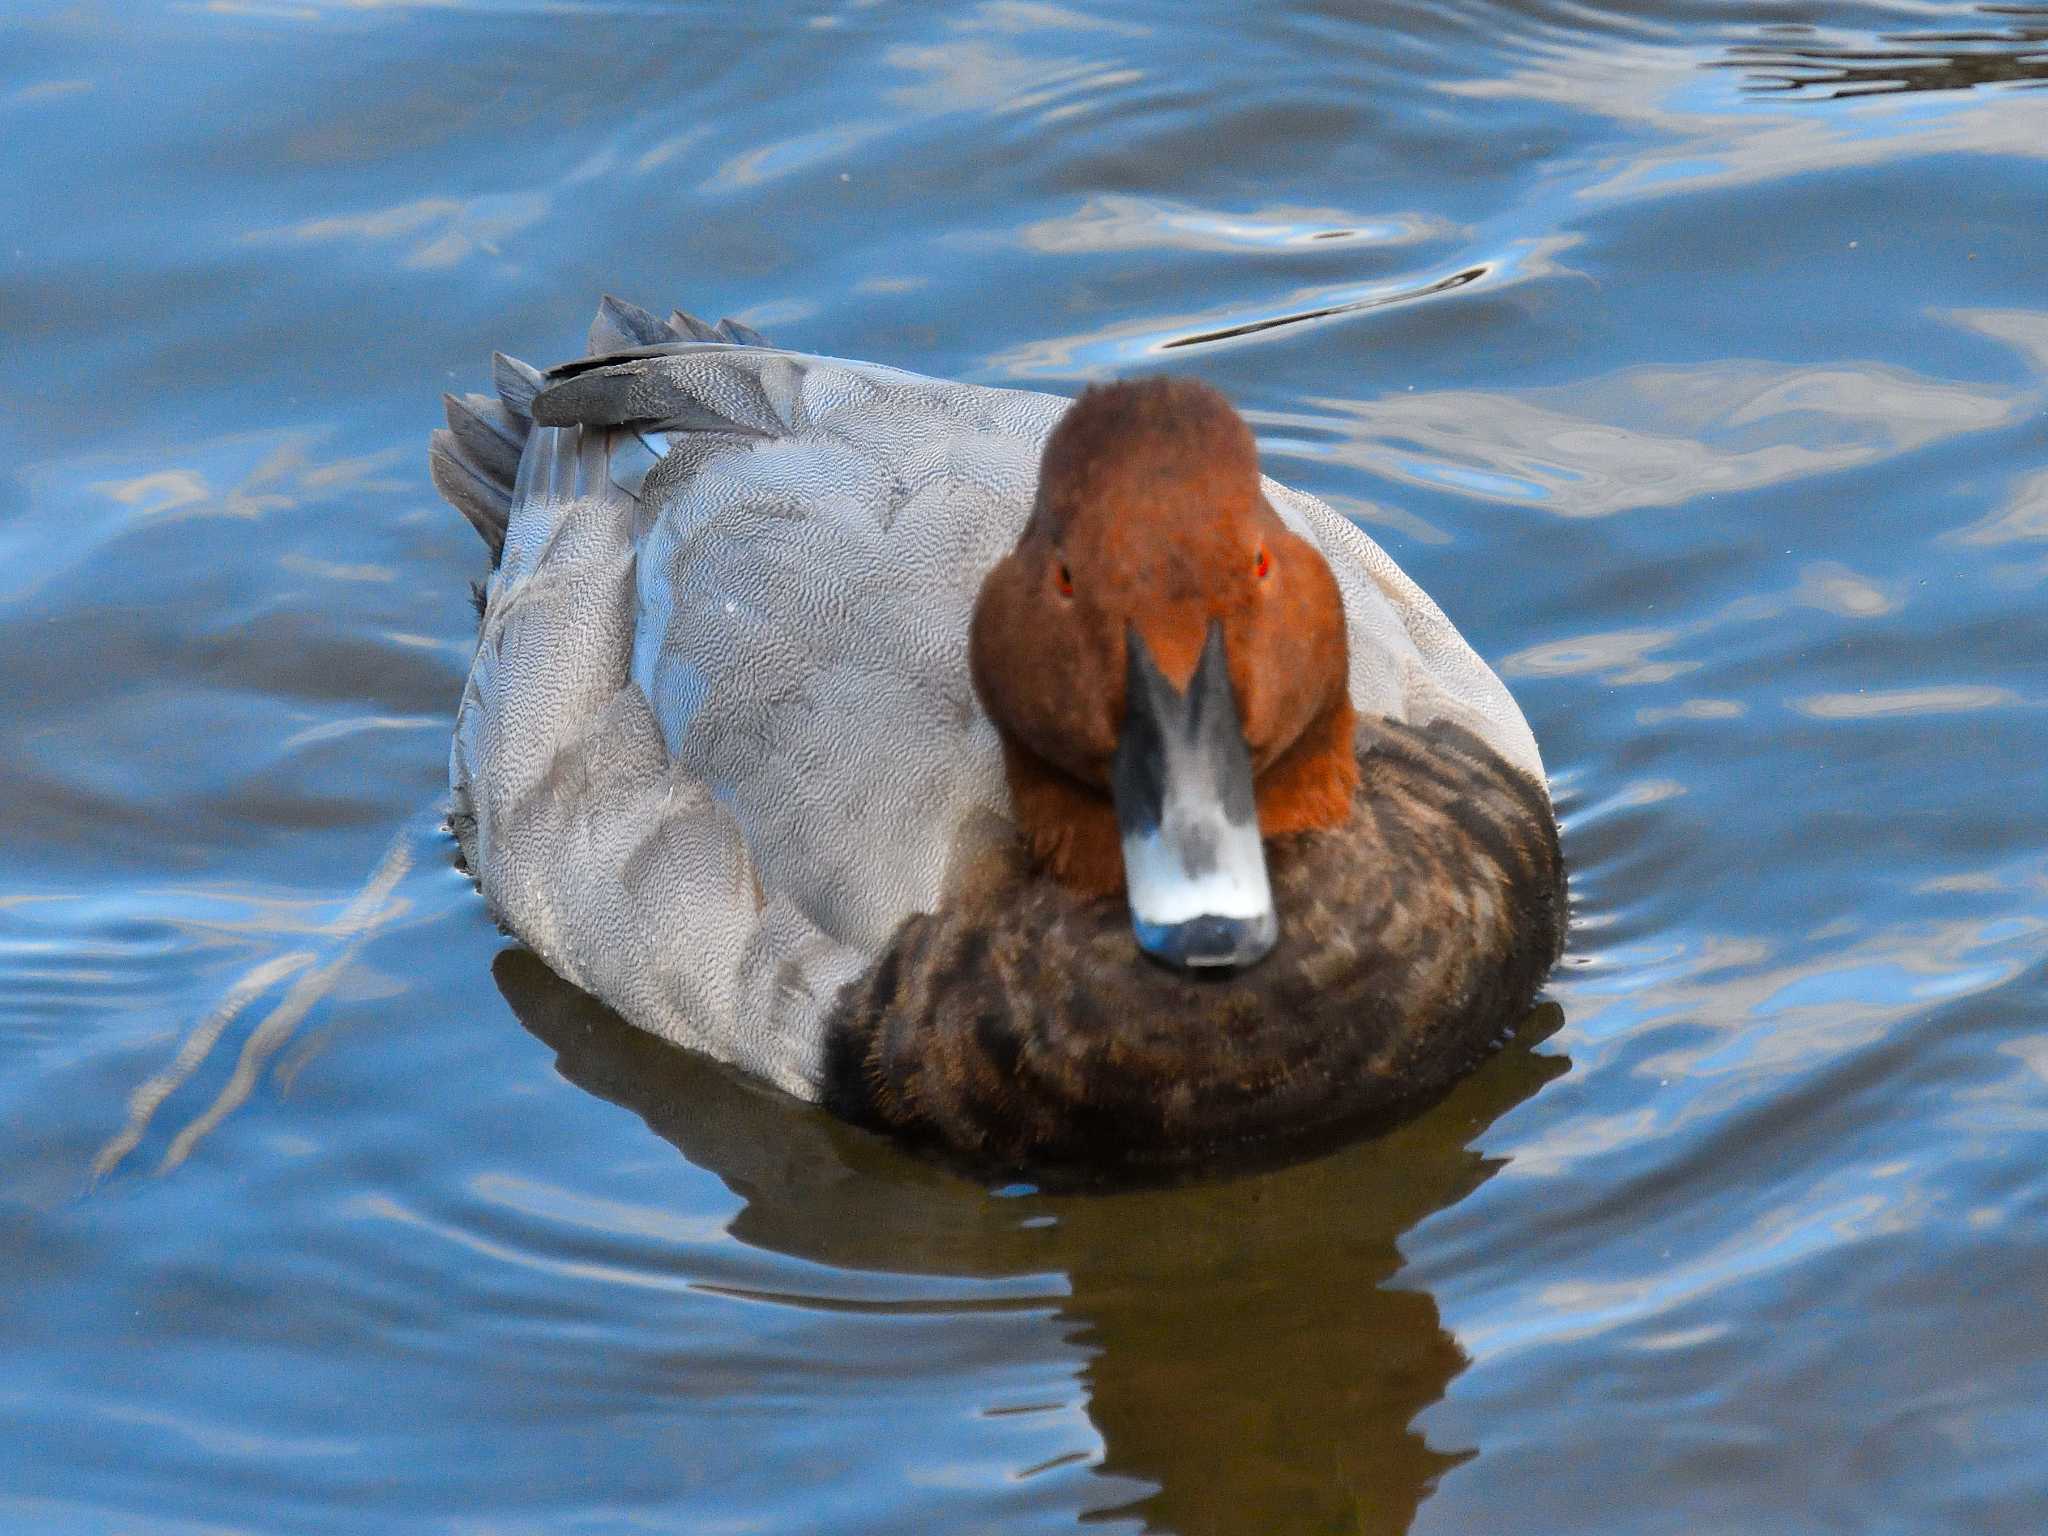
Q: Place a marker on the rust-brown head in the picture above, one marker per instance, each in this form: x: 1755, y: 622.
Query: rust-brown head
x: 1166, y: 664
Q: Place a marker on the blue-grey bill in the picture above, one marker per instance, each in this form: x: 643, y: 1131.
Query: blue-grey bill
x: 1194, y: 864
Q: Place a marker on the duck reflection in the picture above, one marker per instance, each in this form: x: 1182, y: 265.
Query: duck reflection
x: 1246, y: 1357
x: 2011, y: 48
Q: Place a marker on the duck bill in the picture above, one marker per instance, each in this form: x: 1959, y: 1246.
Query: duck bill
x: 1182, y: 783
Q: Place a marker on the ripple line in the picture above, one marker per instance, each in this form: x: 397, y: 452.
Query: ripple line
x: 363, y: 916
x: 367, y: 911
x: 1381, y: 301
x: 146, y: 1100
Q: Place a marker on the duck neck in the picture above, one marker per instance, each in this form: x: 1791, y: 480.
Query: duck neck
x: 1069, y: 828
x: 1308, y: 787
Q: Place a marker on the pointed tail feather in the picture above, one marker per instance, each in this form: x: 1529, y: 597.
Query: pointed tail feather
x: 475, y: 459
x: 620, y: 325
x: 487, y: 503
x: 689, y: 328
x: 489, y: 436
x: 516, y: 383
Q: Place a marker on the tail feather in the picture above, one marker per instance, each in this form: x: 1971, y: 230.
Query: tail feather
x: 487, y: 503
x: 516, y: 383
x: 620, y: 325
x: 489, y: 436
x: 475, y: 459
x: 688, y: 327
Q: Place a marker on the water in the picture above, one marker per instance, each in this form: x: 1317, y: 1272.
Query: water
x: 1696, y: 359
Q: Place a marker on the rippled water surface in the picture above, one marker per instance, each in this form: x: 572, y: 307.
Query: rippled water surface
x: 1694, y: 357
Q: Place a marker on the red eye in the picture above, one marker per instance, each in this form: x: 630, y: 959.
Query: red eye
x: 1262, y: 567
x: 1066, y: 582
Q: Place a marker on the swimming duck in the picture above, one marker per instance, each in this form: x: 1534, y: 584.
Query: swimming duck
x: 1030, y: 779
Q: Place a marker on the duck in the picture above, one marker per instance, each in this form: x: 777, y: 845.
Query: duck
x: 1031, y: 780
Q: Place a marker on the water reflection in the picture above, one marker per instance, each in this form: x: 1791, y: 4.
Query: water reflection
x: 437, y: 231
x: 1882, y: 703
x: 1768, y: 1068
x: 1710, y: 136
x: 2022, y: 519
x: 241, y: 476
x: 1651, y: 436
x: 313, y: 974
x: 1800, y: 61
x: 1110, y: 223
x: 1241, y: 1351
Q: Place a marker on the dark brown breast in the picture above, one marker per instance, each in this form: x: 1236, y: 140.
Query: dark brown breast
x: 1019, y: 1029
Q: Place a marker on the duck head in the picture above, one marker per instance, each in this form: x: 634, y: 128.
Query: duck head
x: 1166, y: 666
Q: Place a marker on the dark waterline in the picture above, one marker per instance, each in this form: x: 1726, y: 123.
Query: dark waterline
x: 1694, y: 358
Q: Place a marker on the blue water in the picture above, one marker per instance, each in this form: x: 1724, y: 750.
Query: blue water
x: 1694, y: 356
